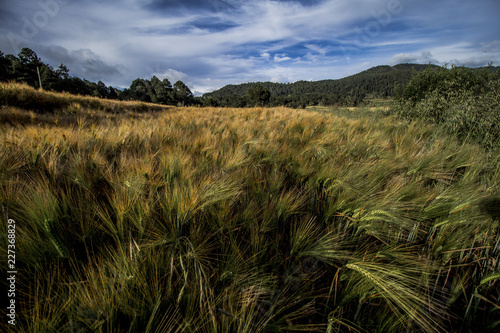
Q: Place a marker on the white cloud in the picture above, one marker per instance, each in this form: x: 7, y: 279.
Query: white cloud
x: 171, y: 74
x: 465, y: 54
x: 316, y: 48
x: 259, y: 40
x: 460, y: 54
x: 423, y: 57
x: 281, y: 57
x: 492, y: 47
x: 83, y: 62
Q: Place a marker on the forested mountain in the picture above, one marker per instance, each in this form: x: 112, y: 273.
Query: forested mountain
x: 377, y: 81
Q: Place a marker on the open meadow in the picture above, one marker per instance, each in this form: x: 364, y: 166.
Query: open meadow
x: 135, y: 217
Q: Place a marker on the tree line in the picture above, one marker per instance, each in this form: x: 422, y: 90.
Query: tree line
x: 376, y: 82
x: 350, y: 91
x: 28, y: 68
x: 271, y: 94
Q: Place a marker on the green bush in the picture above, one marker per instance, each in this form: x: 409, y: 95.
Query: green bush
x: 463, y: 100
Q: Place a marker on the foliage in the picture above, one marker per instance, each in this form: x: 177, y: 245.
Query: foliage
x: 182, y: 94
x: 464, y: 101
x: 25, y: 69
x: 244, y: 220
x: 259, y: 95
x: 377, y: 82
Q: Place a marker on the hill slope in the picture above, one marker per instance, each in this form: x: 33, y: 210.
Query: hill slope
x: 377, y: 81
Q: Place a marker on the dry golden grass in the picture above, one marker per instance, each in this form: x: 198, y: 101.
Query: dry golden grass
x: 217, y: 219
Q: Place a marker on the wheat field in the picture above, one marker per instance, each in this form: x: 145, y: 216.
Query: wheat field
x: 133, y: 217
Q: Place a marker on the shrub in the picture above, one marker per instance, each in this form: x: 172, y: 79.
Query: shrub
x: 463, y: 100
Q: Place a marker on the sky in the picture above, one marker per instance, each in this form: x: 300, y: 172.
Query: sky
x: 209, y: 44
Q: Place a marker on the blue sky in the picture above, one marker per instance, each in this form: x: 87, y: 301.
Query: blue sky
x: 208, y: 44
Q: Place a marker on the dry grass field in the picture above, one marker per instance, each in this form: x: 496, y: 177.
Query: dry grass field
x: 134, y: 217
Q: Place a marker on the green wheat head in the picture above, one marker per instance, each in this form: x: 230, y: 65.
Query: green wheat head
x: 489, y: 278
x: 49, y: 228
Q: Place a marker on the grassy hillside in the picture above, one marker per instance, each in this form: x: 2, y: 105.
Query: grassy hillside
x: 27, y: 98
x: 243, y: 220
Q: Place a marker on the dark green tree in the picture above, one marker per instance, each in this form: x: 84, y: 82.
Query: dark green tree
x: 112, y: 93
x: 25, y: 68
x: 5, y: 68
x: 139, y: 90
x: 164, y: 92
x: 210, y: 101
x: 48, y: 77
x: 153, y: 86
x: 259, y: 95
x: 62, y: 72
x: 102, y: 90
x: 75, y: 85
x: 183, y: 96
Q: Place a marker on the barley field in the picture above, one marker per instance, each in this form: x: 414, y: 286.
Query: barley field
x: 134, y: 217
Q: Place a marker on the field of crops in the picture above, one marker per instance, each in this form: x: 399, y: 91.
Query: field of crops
x: 133, y: 217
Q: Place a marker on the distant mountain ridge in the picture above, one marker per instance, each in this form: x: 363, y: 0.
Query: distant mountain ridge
x: 378, y: 81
